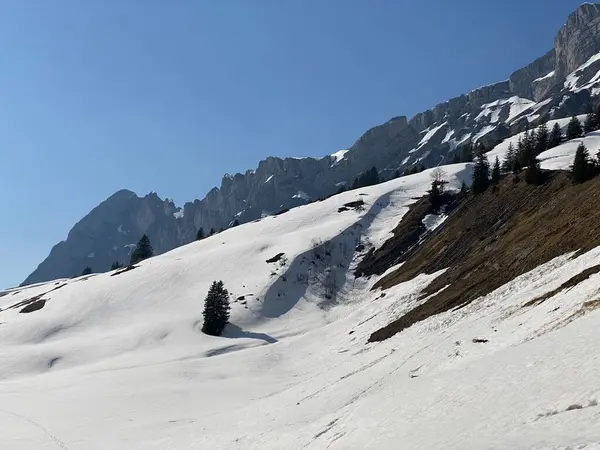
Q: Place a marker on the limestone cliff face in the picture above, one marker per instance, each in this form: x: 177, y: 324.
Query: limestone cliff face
x: 536, y: 92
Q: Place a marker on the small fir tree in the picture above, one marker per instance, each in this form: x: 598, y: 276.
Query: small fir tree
x: 533, y: 172
x: 496, y: 171
x: 212, y: 231
x: 574, y: 130
x: 143, y: 250
x: 466, y: 153
x: 556, y: 136
x: 200, y: 234
x: 580, y: 169
x: 481, y: 173
x: 541, y: 139
x: 509, y: 158
x: 590, y: 123
x: 235, y: 223
x: 216, y: 309
x: 86, y: 271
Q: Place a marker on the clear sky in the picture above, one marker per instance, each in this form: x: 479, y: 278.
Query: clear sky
x: 168, y: 95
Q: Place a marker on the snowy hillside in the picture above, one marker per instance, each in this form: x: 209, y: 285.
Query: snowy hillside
x: 117, y: 360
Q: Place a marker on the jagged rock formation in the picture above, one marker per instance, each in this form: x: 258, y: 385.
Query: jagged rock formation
x: 560, y: 83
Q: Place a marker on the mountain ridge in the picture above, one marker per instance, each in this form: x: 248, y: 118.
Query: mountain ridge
x: 488, y: 114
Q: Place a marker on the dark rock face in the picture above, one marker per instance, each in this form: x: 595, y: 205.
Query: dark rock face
x: 536, y: 92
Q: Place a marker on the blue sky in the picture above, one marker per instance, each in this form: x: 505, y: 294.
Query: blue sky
x: 167, y: 96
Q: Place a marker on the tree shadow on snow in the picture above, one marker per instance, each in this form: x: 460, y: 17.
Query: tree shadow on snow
x: 232, y: 331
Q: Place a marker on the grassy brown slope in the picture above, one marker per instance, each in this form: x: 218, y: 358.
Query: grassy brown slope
x: 497, y: 236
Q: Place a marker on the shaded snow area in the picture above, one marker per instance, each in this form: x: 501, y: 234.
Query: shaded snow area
x: 117, y: 360
x: 558, y: 158
x: 432, y: 221
x: 178, y: 214
x: 337, y: 157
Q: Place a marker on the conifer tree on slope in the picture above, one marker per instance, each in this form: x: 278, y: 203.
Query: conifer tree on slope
x: 496, y: 171
x: 143, y: 250
x: 216, y: 309
x: 509, y: 159
x: 574, y: 130
x: 86, y: 271
x: 580, y: 169
x: 590, y: 123
x: 481, y: 173
x: 541, y: 138
x: 200, y: 234
x: 556, y: 136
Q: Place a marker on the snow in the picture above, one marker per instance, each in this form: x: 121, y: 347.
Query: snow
x: 449, y: 135
x: 432, y: 221
x: 178, y: 214
x: 572, y: 79
x: 485, y: 130
x: 517, y: 106
x: 558, y: 158
x: 91, y: 255
x: 338, y: 156
x: 302, y: 195
x: 269, y: 179
x: 118, y: 362
x: 549, y: 75
x: 428, y: 135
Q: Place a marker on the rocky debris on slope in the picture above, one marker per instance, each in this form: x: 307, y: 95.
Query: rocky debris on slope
x: 536, y: 92
x: 495, y: 237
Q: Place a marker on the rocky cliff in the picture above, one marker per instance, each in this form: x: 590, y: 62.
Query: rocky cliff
x: 560, y: 83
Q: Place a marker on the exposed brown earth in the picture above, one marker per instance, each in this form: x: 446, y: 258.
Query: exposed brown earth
x: 495, y: 237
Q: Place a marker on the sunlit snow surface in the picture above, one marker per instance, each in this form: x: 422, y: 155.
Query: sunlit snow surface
x: 118, y: 362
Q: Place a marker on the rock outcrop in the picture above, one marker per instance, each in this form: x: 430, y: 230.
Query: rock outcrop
x: 558, y: 84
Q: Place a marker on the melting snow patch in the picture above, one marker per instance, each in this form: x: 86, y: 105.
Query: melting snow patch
x: 269, y: 179
x: 303, y: 195
x: 91, y: 255
x: 338, y: 156
x: 429, y: 135
x: 573, y: 78
x: 432, y: 221
x: 487, y: 129
x: 178, y: 214
x: 550, y: 75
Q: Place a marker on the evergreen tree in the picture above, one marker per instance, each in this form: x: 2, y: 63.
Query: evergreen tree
x: 455, y: 158
x: 541, y: 139
x: 143, y: 250
x: 200, y: 234
x: 235, y: 223
x: 466, y: 153
x: 396, y: 174
x: 463, y: 189
x: 527, y: 149
x: 574, y: 130
x: 509, y: 159
x: 216, y: 309
x: 496, y: 171
x: 597, y: 117
x: 481, y: 173
x: 212, y: 231
x: 556, y: 136
x: 115, y: 265
x: 533, y: 172
x: 580, y: 169
x: 590, y: 123
x: 86, y: 271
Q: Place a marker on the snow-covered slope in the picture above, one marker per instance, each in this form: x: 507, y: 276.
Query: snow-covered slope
x: 119, y: 362
x: 558, y: 158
